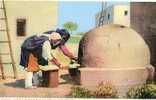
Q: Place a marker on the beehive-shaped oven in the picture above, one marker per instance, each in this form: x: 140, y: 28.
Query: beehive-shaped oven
x: 113, y: 53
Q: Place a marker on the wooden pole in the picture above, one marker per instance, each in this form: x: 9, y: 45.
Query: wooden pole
x: 1, y: 67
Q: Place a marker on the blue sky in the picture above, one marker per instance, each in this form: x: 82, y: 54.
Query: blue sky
x: 83, y: 13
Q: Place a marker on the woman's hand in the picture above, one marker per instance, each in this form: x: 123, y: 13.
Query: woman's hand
x: 75, y: 58
x: 63, y: 67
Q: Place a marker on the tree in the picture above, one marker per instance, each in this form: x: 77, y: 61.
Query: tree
x: 81, y: 33
x: 70, y: 26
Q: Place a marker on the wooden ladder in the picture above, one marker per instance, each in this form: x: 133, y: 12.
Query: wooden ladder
x: 5, y: 30
x: 102, y: 14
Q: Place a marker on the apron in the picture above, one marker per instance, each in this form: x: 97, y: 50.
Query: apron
x: 33, y: 65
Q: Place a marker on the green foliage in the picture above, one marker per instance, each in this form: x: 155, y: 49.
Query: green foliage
x: 136, y: 92
x: 74, y: 39
x: 102, y: 91
x: 105, y: 91
x: 81, y: 33
x: 70, y: 26
x: 142, y: 91
x: 79, y: 92
x: 151, y: 88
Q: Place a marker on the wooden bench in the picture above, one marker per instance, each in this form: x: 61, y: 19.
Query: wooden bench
x: 73, y: 68
x: 74, y: 72
x: 50, y: 76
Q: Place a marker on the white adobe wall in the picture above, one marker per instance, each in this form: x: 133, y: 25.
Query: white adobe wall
x: 119, y: 17
x: 40, y: 16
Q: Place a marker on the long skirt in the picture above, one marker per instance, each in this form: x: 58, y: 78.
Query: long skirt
x: 33, y: 65
x: 32, y: 69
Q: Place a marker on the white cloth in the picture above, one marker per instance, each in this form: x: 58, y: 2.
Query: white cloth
x: 46, y: 51
x: 32, y: 78
x: 28, y: 79
x: 55, y: 36
x: 46, y: 48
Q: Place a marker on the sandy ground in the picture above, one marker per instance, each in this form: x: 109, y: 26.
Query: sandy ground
x: 15, y: 88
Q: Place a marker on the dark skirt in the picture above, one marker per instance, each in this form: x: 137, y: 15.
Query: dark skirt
x: 37, y: 53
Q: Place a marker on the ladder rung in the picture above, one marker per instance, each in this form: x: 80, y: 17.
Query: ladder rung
x: 2, y: 18
x: 4, y: 53
x: 3, y: 30
x: 6, y: 63
x: 1, y: 8
x: 4, y: 41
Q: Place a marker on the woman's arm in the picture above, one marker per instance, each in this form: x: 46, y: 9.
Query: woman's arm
x: 66, y: 52
x: 46, y: 53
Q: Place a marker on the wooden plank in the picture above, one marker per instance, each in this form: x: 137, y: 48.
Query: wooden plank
x: 4, y: 41
x: 3, y: 30
x: 6, y: 63
x: 4, y: 53
x: 2, y: 18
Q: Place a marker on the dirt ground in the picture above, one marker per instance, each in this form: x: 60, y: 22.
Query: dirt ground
x: 15, y: 87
